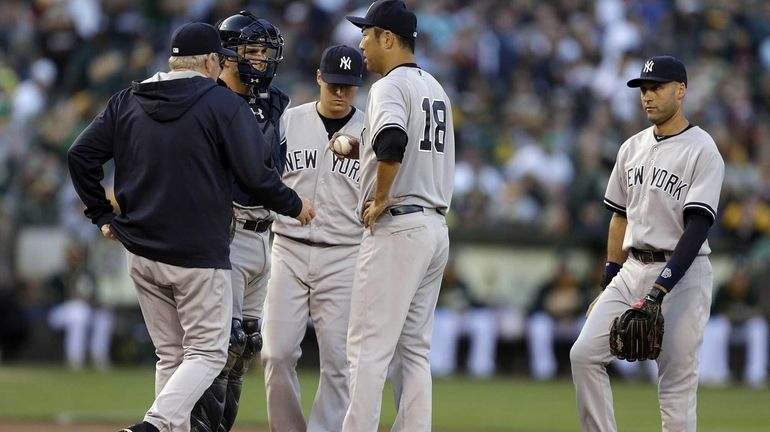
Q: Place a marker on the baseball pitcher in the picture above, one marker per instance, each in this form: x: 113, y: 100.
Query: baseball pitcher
x: 407, y: 177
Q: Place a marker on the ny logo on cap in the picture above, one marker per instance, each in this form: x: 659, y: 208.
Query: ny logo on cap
x: 345, y: 62
x: 648, y: 66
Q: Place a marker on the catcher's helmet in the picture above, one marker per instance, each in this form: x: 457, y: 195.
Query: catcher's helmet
x: 259, y: 45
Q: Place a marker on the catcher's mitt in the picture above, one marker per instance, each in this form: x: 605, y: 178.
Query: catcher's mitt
x: 637, y: 334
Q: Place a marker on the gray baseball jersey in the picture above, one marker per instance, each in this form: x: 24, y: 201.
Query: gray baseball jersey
x: 312, y: 275
x: 426, y: 176
x: 400, y: 263
x: 312, y: 170
x: 653, y: 183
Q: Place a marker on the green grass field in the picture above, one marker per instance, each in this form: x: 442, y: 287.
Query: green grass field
x: 459, y: 404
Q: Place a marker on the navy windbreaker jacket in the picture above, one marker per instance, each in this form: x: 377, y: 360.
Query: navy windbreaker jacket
x: 178, y: 145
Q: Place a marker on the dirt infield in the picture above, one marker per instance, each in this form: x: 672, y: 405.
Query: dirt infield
x: 6, y: 426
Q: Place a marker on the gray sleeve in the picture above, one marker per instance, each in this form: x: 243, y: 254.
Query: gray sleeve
x: 391, y: 104
x: 703, y: 194
x: 615, y: 198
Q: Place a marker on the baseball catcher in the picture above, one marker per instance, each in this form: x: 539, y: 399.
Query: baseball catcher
x: 258, y: 46
x: 638, y: 332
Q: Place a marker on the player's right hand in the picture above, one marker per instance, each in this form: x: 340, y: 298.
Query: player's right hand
x: 354, y: 142
x: 107, y: 232
x: 307, y: 214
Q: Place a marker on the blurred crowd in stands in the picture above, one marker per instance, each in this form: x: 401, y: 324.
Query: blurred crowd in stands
x: 538, y: 90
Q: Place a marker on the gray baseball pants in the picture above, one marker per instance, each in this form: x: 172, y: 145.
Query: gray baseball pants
x: 315, y: 282
x: 685, y: 310
x: 187, y: 312
x: 398, y: 276
x: 250, y: 258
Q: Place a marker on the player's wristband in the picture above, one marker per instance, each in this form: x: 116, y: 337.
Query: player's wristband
x: 669, y: 276
x: 610, y: 270
x: 656, y: 295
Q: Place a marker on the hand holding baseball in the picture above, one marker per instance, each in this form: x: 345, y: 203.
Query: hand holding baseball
x: 344, y: 145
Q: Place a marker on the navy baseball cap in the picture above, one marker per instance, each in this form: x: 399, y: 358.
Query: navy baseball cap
x: 197, y: 38
x: 389, y: 15
x: 341, y: 64
x: 661, y: 69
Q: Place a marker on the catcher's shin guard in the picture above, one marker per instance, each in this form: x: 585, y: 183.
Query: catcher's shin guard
x: 235, y: 380
x: 207, y: 412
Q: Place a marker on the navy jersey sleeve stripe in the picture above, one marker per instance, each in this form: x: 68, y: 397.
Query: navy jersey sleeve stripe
x: 701, y: 208
x: 614, y: 207
x: 388, y: 126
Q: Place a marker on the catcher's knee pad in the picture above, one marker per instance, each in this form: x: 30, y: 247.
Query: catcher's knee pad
x: 253, y: 338
x: 207, y: 413
x: 236, y: 346
x: 253, y: 344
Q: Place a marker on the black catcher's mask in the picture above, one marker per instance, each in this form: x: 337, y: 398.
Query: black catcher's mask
x: 259, y: 45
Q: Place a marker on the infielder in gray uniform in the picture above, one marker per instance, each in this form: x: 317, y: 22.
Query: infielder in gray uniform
x: 407, y: 176
x: 177, y: 140
x: 259, y: 47
x: 313, y: 266
x: 664, y: 190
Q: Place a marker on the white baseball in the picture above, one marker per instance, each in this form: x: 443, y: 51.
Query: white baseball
x: 341, y: 145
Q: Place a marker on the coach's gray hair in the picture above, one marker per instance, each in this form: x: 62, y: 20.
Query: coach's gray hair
x: 194, y: 62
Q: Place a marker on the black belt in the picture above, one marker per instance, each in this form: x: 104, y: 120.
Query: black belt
x: 308, y: 242
x: 649, y: 256
x: 404, y: 209
x: 259, y: 226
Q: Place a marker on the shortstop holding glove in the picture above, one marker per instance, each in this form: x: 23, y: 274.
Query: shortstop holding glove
x: 637, y: 334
